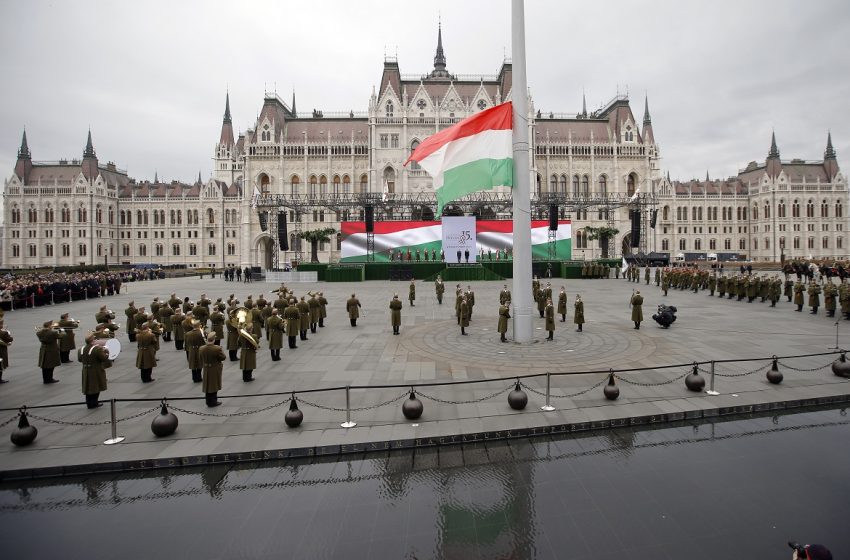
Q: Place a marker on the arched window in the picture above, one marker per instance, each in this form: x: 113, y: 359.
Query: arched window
x: 630, y: 184
x: 755, y: 212
x: 175, y: 250
x: 553, y: 184
x: 145, y: 216
x: 211, y: 249
x: 755, y: 244
x: 796, y: 242
x: 665, y: 213
x: 811, y: 242
x: 678, y: 213
x: 66, y: 214
x: 603, y: 185
x: 810, y: 209
x: 781, y: 208
x: 364, y: 183
x: 825, y: 242
x: 839, y: 210
x: 824, y: 209
x: 16, y: 251
x: 139, y: 217
x: 314, y: 182
x: 125, y: 250
x: 323, y: 185
x: 697, y: 244
x: 390, y: 108
x: 795, y: 209
x: 143, y: 250
x: 766, y: 210
x: 683, y: 244
x: 111, y: 215
x: 155, y: 218
x: 414, y: 166
x: 336, y: 183
x: 210, y: 216
x: 712, y: 244
x: 346, y: 184
x: 294, y: 184
x: 575, y: 185
x: 766, y: 243
x: 585, y: 185
x: 665, y: 244
x: 389, y: 179
x: 159, y: 250
x: 264, y: 183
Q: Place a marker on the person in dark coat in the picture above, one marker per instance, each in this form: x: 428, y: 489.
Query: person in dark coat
x: 146, y: 355
x: 504, y: 315
x: 578, y: 313
x: 439, y: 288
x: 637, y: 309
x: 304, y: 311
x: 293, y: 322
x: 352, y: 306
x: 194, y: 341
x: 48, y: 354
x: 95, y: 360
x: 212, y: 358
x: 562, y: 304
x: 395, y: 314
x: 274, y: 330
x: 67, y: 344
x: 5, y: 341
x: 411, y: 293
x: 550, y: 319
x: 464, y: 315
x: 248, y: 356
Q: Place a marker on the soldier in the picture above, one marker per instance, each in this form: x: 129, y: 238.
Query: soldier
x: 504, y: 295
x: 201, y: 312
x: 578, y: 313
x: 67, y: 343
x: 5, y: 341
x: 104, y: 315
x: 504, y: 315
x: 174, y: 301
x: 95, y: 360
x: 789, y: 288
x: 814, y: 297
x: 187, y: 305
x: 774, y: 291
x: 165, y: 314
x: 535, y: 286
x: 293, y: 321
x: 395, y: 314
x: 646, y: 275
x: 48, y: 354
x: 829, y: 295
x: 211, y: 356
x: 262, y: 302
x: 562, y: 304
x: 798, y: 295
x: 637, y: 308
x: 439, y: 288
x: 352, y: 306
x: 665, y: 283
x: 470, y: 301
x: 146, y: 355
x: 550, y: 319
x: 248, y: 356
x: 194, y: 341
x: 464, y: 314
x: 712, y: 284
x: 843, y: 299
x: 323, y: 309
x: 274, y: 332
x: 657, y: 276
x: 411, y: 293
x: 458, y: 297
x: 541, y: 301
x: 256, y: 320
x: 130, y: 312
x: 155, y: 305
x: 177, y: 328
x: 217, y: 322
x: 313, y: 302
x: 304, y: 311
x: 232, y: 338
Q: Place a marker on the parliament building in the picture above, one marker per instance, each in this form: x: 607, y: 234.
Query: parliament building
x: 84, y: 211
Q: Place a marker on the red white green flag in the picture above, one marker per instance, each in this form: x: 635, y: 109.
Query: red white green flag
x: 473, y: 155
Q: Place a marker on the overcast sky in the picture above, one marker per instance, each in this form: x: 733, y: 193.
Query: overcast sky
x: 149, y: 78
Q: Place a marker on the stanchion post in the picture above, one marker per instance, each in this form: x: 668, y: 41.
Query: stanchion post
x: 348, y: 423
x: 711, y: 390
x: 547, y: 407
x: 115, y: 437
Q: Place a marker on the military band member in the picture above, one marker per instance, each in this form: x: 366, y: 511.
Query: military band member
x: 187, y: 305
x: 194, y: 340
x: 578, y: 313
x: 95, y: 360
x: 504, y: 295
x: 165, y: 314
x: 637, y: 309
x: 562, y: 304
x: 274, y: 331
x: 789, y: 288
x: 5, y: 341
x: 293, y: 321
x: 541, y: 301
x: 201, y: 312
x: 204, y: 301
x: 313, y: 302
x: 100, y: 331
x: 352, y: 306
x: 550, y: 319
x: 830, y: 293
x: 464, y: 315
x: 67, y: 343
x: 458, y: 297
x: 130, y: 312
x: 646, y: 275
x: 411, y: 292
x: 439, y: 288
x: 657, y: 276
x: 814, y: 297
x: 48, y: 354
x: 304, y: 311
x: 712, y: 285
x: 211, y: 356
x: 843, y: 299
x: 249, y: 343
x: 470, y: 301
x: 504, y: 315
x: 155, y: 305
x: 232, y: 339
x: 177, y: 328
x: 146, y: 355
x: 104, y: 315
x: 323, y: 309
x: 798, y: 295
x: 395, y: 314
x: 217, y: 322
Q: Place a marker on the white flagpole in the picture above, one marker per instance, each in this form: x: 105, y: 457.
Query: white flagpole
x: 522, y: 300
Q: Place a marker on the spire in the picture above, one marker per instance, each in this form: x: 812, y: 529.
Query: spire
x: 583, y: 105
x: 646, y: 119
x: 830, y: 163
x: 155, y: 178
x: 89, y: 153
x: 24, y: 152
x: 294, y: 112
x: 440, y: 57
x: 774, y: 151
x: 828, y: 154
x: 707, y: 178
x: 227, y: 119
x: 226, y: 138
x: 200, y: 181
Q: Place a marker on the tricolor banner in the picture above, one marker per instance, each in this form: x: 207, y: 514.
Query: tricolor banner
x: 473, y: 155
x: 491, y: 235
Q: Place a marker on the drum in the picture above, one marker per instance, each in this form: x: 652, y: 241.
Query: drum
x: 113, y: 347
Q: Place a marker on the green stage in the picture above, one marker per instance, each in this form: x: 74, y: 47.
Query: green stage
x: 405, y: 270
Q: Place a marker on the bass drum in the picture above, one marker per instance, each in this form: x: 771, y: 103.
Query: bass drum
x: 113, y: 347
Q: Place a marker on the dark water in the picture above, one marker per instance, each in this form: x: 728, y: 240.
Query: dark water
x: 736, y: 489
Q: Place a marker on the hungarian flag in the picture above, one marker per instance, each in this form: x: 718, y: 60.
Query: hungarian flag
x: 473, y: 155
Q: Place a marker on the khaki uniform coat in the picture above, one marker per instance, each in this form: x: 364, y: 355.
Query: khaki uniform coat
x: 217, y: 320
x: 48, y: 354
x: 323, y: 307
x: 304, y: 311
x: 798, y: 293
x: 549, y: 313
x: 315, y: 309
x: 5, y: 340
x: 411, y: 292
x: 637, y: 308
x: 67, y: 342
x: 146, y: 355
x: 194, y: 341
x: 578, y: 317
x: 248, y: 355
x: 211, y: 356
x: 395, y: 312
x: 274, y: 329
x: 562, y: 303
x: 232, y: 337
x: 95, y: 360
x: 293, y: 320
x: 464, y: 313
x: 165, y: 314
x: 504, y: 315
x: 130, y: 312
x: 814, y: 295
x: 353, y: 308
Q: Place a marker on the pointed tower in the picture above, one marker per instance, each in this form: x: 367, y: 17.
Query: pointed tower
x: 155, y: 178
x: 439, y: 70
x: 583, y: 106
x: 24, y: 164
x: 225, y: 148
x: 830, y: 163
x: 90, y: 171
x: 226, y: 125
x: 648, y: 136
x: 774, y: 166
x: 200, y: 181
x: 294, y: 112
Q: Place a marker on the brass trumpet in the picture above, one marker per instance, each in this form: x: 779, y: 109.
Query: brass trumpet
x: 56, y: 327
x: 239, y: 317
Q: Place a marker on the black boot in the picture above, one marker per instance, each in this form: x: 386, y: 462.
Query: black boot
x: 462, y: 331
x: 503, y: 339
x: 541, y: 314
x: 551, y: 335
x: 196, y: 376
x: 212, y: 399
x: 292, y: 342
x: 47, y: 376
x: 353, y: 322
x: 563, y: 318
x: 64, y: 356
x: 313, y: 328
x: 246, y: 375
x: 91, y: 400
x: 178, y: 344
x: 321, y: 323
x: 800, y: 307
x: 303, y: 335
x: 146, y: 375
x: 232, y: 354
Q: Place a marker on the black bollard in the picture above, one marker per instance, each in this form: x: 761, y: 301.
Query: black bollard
x: 165, y: 422
x: 612, y: 392
x: 841, y: 367
x: 694, y: 381
x: 773, y: 374
x: 412, y: 407
x: 294, y: 416
x: 517, y: 398
x: 24, y: 434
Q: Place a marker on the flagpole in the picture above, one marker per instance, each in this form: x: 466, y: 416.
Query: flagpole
x: 522, y: 299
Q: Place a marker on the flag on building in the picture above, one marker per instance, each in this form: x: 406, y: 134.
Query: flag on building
x: 255, y: 197
x: 473, y: 155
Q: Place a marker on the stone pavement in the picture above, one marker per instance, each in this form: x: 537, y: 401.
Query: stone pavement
x: 430, y: 349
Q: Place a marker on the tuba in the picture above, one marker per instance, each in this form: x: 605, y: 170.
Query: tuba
x: 250, y: 338
x: 239, y: 317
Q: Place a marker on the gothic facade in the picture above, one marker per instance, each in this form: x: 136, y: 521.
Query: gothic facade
x: 83, y: 212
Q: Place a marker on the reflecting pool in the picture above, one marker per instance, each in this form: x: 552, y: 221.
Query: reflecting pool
x: 729, y: 489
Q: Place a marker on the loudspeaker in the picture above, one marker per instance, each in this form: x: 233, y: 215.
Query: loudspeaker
x: 370, y: 218
x: 635, y: 215
x: 654, y: 219
x: 553, y: 217
x: 264, y: 221
x: 282, y: 237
